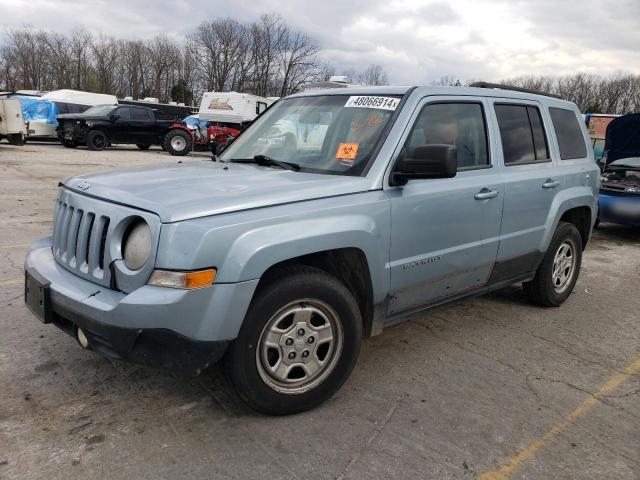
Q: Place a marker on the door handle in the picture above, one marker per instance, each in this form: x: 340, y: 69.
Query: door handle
x: 550, y: 183
x: 486, y: 194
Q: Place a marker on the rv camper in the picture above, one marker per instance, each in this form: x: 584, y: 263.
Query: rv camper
x: 232, y: 107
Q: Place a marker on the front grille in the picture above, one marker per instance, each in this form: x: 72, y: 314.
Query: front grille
x: 79, y: 239
x: 87, y: 234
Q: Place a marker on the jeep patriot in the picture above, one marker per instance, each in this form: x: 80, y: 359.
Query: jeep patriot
x: 335, y: 214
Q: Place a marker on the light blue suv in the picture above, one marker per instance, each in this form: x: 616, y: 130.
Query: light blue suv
x: 336, y: 214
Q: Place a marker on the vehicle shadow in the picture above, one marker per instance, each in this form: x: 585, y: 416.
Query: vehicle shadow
x: 613, y: 231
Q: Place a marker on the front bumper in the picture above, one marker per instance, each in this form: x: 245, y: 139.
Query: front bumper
x: 183, y: 329
x: 620, y: 209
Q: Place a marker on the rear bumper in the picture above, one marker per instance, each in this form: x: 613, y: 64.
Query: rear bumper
x: 624, y: 210
x: 183, y: 329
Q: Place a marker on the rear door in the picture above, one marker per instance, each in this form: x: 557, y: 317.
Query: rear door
x: 445, y: 232
x: 531, y: 182
x: 143, y: 126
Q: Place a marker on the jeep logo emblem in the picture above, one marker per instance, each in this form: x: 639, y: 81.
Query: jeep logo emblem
x: 84, y: 186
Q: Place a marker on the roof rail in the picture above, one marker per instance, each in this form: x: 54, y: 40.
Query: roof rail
x: 515, y: 89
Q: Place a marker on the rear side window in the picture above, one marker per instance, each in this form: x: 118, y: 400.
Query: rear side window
x: 522, y: 134
x: 568, y: 133
x: 139, y: 114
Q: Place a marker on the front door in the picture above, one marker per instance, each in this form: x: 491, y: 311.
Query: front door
x: 120, y: 129
x: 445, y: 232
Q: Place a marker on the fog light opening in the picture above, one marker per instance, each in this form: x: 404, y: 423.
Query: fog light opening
x: 82, y: 338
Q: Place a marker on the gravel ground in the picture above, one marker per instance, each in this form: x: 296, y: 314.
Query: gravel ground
x: 487, y: 388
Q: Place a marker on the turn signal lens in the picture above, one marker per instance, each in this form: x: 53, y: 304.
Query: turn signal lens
x: 186, y: 280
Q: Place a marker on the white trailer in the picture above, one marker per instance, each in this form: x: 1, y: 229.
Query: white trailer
x: 11, y: 124
x: 232, y: 107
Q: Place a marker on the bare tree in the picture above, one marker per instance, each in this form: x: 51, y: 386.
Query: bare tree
x: 374, y: 75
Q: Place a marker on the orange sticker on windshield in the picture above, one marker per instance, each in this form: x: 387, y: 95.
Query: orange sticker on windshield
x: 347, y: 151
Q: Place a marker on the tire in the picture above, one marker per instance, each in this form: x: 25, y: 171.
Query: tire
x: 97, y: 140
x: 556, y: 278
x: 319, y: 300
x: 178, y: 142
x: 142, y: 147
x: 69, y: 143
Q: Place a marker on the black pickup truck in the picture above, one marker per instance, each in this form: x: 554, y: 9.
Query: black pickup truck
x: 105, y: 125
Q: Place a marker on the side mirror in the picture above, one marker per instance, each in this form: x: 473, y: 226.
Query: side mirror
x: 113, y: 117
x: 426, y: 161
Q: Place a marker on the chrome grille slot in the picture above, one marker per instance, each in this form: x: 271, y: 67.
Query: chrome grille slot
x: 84, y: 234
x: 87, y: 233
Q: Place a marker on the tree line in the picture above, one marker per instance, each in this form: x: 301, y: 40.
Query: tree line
x: 618, y: 93
x: 266, y: 57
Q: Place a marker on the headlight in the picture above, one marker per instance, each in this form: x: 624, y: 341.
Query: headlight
x: 136, y: 245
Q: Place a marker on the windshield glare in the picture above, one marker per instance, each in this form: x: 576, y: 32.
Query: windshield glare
x: 323, y: 134
x: 99, y: 110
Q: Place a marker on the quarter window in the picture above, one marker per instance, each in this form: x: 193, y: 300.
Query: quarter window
x: 522, y: 134
x: 569, y: 134
x: 458, y: 124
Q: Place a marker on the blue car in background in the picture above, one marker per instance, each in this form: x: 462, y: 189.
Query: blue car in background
x: 619, y: 199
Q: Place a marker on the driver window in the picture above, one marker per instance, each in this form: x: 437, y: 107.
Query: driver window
x: 458, y: 124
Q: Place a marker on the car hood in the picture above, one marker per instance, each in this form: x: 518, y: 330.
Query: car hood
x: 196, y: 189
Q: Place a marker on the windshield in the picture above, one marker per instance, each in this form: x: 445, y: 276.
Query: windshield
x: 322, y: 134
x: 99, y: 110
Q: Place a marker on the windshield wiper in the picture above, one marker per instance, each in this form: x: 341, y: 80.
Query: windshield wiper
x: 267, y: 161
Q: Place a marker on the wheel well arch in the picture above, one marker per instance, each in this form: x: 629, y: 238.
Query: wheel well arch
x: 349, y: 265
x: 580, y: 217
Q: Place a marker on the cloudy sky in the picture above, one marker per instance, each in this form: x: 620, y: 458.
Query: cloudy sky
x: 415, y: 41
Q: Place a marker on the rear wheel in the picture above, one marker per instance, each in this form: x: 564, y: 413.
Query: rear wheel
x: 97, y: 140
x: 298, y: 344
x: 69, y: 143
x: 142, y: 146
x: 178, y: 142
x: 558, y: 273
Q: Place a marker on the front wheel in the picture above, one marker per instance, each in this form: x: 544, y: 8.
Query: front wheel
x: 298, y: 344
x: 97, y: 140
x: 558, y: 272
x: 178, y: 142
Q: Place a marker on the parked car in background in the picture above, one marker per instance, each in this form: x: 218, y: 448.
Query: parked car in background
x: 105, y: 125
x: 281, y: 256
x: 619, y: 199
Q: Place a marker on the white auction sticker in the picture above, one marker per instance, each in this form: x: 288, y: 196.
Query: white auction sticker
x: 368, y: 101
